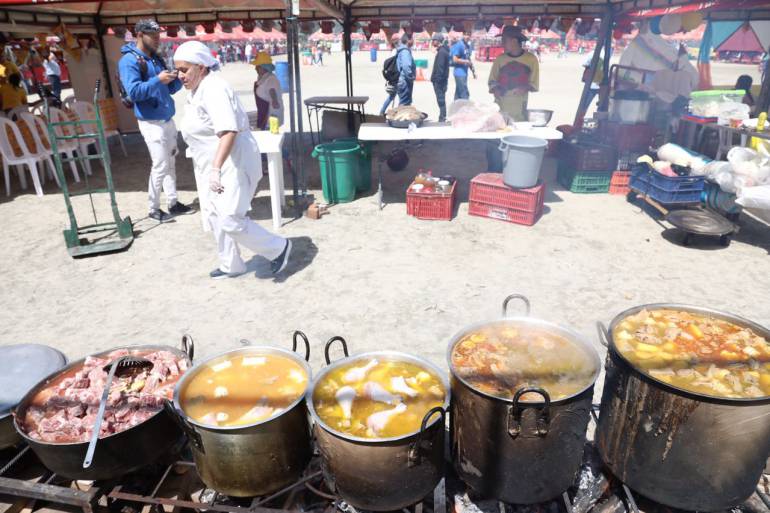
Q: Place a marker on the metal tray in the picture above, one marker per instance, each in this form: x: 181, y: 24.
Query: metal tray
x: 405, y: 124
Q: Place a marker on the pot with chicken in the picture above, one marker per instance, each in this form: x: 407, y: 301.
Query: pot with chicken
x: 379, y: 423
x: 685, y: 412
x: 57, y: 416
x: 244, y: 413
x: 521, y: 400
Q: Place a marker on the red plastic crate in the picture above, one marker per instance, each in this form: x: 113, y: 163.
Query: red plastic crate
x: 504, y: 214
x: 619, y: 182
x: 488, y: 188
x: 624, y: 137
x: 431, y: 205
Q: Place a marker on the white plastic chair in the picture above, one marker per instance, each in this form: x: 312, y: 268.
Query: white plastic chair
x: 85, y: 111
x: 16, y: 111
x: 59, y: 116
x: 11, y: 159
x: 40, y: 152
x: 68, y: 101
x: 40, y: 133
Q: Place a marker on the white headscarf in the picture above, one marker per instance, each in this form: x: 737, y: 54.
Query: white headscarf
x: 196, y: 52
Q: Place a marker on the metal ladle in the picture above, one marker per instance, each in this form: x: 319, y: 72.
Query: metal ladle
x: 122, y: 367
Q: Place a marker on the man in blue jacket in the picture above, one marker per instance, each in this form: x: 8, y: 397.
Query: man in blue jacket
x: 406, y: 71
x: 150, y: 85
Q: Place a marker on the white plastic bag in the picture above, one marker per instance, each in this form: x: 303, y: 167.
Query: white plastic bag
x: 732, y: 111
x: 475, y: 117
x: 755, y: 197
x: 738, y: 154
x: 726, y: 180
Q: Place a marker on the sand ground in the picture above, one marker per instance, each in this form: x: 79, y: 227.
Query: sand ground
x: 379, y: 278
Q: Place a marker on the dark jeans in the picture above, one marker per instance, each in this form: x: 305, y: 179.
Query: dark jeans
x: 494, y: 157
x: 461, y: 88
x: 440, y: 90
x: 404, y: 89
x: 55, y: 81
x: 388, y: 101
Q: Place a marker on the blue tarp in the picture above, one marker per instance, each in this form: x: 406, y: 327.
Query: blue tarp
x: 721, y: 30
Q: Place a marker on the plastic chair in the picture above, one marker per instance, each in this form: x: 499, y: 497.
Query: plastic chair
x: 86, y: 111
x: 59, y: 116
x: 20, y: 159
x: 16, y: 111
x: 37, y: 150
x: 68, y: 102
x: 40, y: 133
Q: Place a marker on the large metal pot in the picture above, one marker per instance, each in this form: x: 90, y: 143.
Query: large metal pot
x: 630, y: 107
x: 519, y: 452
x: 256, y: 459
x: 381, y: 474
x: 680, y: 448
x: 117, y: 454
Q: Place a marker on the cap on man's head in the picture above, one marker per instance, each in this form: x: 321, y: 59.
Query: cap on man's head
x: 514, y: 32
x: 439, y: 38
x: 146, y: 26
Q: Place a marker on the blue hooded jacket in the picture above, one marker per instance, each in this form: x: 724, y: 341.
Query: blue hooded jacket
x: 152, y: 99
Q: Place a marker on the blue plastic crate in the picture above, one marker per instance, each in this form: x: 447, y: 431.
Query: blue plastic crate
x: 666, y: 189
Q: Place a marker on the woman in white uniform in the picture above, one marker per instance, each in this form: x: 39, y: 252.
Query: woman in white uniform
x: 226, y: 161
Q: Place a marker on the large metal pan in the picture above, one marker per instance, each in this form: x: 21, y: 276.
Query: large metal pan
x: 680, y: 448
x: 117, y: 454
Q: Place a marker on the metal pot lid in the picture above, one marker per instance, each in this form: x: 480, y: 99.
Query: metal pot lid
x: 700, y: 222
x: 25, y: 365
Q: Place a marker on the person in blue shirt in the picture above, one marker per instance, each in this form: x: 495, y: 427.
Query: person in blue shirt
x: 461, y: 61
x: 406, y: 70
x: 149, y: 85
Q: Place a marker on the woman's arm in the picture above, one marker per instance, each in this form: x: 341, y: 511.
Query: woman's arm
x: 226, y: 142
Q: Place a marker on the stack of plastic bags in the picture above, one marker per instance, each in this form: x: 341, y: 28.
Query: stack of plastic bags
x: 475, y: 117
x: 746, y: 173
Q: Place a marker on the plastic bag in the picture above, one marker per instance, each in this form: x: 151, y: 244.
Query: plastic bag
x: 725, y: 180
x: 755, y: 197
x: 475, y: 117
x: 715, y: 167
x: 739, y: 154
x: 729, y: 111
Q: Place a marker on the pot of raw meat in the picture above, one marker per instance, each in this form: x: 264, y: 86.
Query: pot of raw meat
x: 521, y: 401
x: 246, y: 420
x: 379, y: 424
x: 56, y: 417
x: 685, y: 412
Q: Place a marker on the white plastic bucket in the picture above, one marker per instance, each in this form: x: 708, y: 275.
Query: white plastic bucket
x: 522, y: 157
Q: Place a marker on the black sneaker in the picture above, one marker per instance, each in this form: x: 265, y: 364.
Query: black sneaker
x: 279, y: 264
x: 218, y: 274
x: 179, y: 209
x: 158, y: 215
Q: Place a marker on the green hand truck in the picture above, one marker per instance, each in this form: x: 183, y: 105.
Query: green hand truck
x: 96, y: 238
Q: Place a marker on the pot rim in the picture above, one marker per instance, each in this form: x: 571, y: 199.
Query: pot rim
x: 568, y: 333
x: 727, y: 316
x: 46, y: 380
x: 393, y: 355
x: 248, y: 349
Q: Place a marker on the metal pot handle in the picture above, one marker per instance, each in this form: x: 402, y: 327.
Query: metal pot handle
x: 330, y: 342
x: 415, y: 457
x: 188, y: 346
x: 543, y: 418
x: 523, y: 299
x: 604, y: 337
x: 294, y: 344
x: 185, y: 426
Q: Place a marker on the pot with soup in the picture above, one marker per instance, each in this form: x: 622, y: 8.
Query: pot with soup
x: 379, y: 425
x: 521, y: 400
x: 246, y: 420
x: 685, y: 412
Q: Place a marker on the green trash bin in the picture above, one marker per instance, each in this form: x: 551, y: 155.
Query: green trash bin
x: 364, y: 173
x: 338, y: 162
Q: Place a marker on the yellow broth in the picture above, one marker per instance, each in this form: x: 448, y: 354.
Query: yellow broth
x: 377, y: 397
x: 696, y: 352
x: 243, y: 389
x: 500, y: 358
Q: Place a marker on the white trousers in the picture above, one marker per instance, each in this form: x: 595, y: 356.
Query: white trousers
x: 160, y: 137
x: 225, y: 214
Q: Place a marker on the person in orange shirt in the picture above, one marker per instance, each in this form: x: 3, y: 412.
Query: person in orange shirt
x: 12, y: 94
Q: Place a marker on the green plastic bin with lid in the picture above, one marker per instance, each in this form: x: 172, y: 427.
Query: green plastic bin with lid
x: 364, y: 174
x: 338, y: 162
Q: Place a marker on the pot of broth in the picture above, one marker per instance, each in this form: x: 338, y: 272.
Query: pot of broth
x: 685, y: 411
x: 521, y: 401
x: 379, y: 424
x: 244, y: 414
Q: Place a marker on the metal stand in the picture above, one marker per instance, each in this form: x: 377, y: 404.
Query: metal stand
x: 75, y: 237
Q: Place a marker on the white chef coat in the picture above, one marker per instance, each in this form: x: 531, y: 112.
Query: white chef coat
x: 214, y: 108
x: 264, y: 84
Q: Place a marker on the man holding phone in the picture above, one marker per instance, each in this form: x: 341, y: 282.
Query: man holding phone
x: 149, y: 85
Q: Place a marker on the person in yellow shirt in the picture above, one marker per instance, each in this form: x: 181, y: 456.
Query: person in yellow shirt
x: 12, y: 93
x: 514, y: 75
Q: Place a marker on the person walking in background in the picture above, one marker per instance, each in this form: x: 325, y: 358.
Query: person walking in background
x: 53, y: 74
x: 227, y: 165
x: 406, y: 70
x: 461, y: 61
x: 439, y: 77
x: 391, y: 75
x: 248, y: 51
x: 150, y: 85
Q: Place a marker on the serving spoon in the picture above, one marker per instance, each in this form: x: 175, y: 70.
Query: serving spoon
x: 124, y: 366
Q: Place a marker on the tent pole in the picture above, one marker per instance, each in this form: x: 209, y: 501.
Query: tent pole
x: 347, y: 42
x: 763, y: 102
x: 605, y: 31
x: 604, y: 99
x: 292, y: 114
x: 298, y: 93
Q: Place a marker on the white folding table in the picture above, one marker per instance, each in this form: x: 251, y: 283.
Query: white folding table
x: 270, y: 145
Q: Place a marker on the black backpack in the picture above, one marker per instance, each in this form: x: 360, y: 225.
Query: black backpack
x: 125, y: 99
x: 390, y: 70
